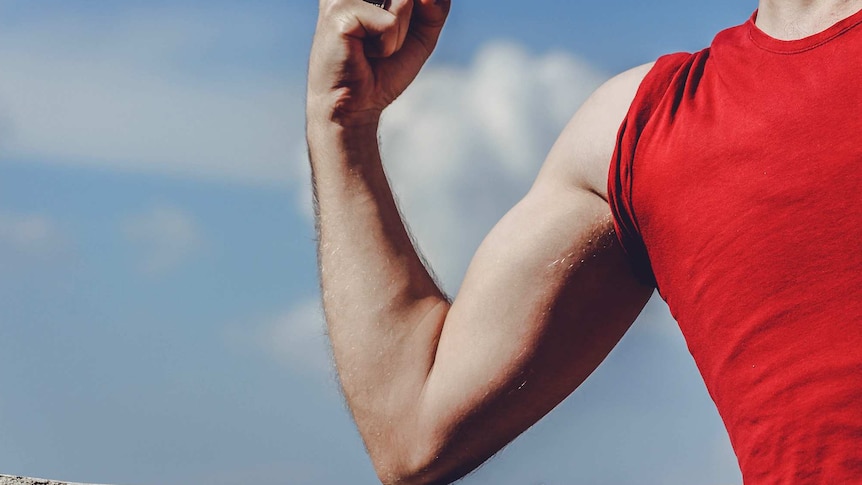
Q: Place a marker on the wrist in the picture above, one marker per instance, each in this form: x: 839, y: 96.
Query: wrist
x: 332, y: 111
x: 335, y: 134
x: 341, y: 140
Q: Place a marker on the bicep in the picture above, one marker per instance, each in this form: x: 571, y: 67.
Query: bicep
x: 547, y: 296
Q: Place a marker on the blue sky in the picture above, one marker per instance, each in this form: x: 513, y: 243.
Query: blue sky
x: 157, y: 276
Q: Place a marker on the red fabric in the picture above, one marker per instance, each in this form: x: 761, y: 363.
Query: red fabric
x: 736, y: 189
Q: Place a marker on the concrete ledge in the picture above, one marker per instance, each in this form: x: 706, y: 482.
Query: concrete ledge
x: 7, y: 480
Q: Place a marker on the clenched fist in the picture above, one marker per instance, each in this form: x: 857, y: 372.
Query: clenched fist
x: 364, y: 56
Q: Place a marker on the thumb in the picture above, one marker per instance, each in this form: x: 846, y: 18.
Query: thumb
x: 427, y: 21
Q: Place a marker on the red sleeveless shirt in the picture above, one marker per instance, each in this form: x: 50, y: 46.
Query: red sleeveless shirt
x: 736, y: 188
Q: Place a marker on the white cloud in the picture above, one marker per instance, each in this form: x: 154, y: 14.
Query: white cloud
x: 30, y: 234
x: 295, y: 338
x: 298, y: 338
x: 166, y: 235
x: 124, y: 94
x: 463, y: 146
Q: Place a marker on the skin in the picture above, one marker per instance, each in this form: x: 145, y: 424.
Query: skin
x: 436, y: 386
x: 791, y: 20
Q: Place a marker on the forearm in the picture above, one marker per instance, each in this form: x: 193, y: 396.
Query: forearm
x: 365, y: 251
x: 383, y: 309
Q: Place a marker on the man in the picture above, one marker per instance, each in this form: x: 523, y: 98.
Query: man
x: 734, y: 189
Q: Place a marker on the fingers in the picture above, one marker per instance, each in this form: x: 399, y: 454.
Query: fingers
x: 432, y: 12
x: 390, y: 41
x: 381, y: 30
x: 428, y: 19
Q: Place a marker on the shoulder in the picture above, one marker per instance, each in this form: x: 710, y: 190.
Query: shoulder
x: 581, y: 156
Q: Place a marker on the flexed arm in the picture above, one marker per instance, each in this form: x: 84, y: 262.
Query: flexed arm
x: 436, y: 387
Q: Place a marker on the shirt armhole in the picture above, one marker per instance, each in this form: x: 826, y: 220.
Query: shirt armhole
x: 620, y: 177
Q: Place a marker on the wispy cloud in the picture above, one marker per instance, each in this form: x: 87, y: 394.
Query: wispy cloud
x: 294, y: 338
x: 167, y: 236
x: 297, y: 338
x: 29, y: 234
x: 128, y: 94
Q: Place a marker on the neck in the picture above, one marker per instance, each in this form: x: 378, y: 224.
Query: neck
x: 796, y: 19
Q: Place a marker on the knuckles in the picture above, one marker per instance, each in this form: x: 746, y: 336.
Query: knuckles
x: 329, y: 7
x: 336, y: 15
x: 346, y: 71
x: 381, y: 30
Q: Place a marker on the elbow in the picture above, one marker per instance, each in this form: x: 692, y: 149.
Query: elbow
x: 406, y: 465
x: 418, y: 464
